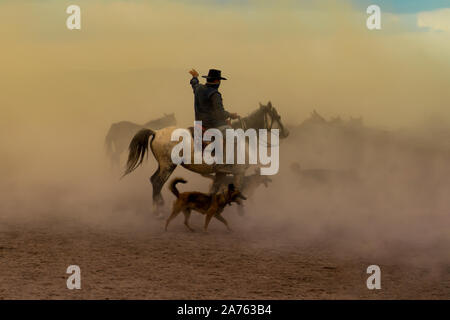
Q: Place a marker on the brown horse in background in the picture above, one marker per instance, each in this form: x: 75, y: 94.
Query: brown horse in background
x: 120, y: 134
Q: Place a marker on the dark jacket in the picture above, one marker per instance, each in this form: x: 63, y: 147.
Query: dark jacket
x: 208, y: 105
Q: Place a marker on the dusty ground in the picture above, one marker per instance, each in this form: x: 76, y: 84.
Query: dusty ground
x: 146, y: 263
x: 385, y: 202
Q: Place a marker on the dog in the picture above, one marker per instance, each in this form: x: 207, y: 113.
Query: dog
x: 210, y: 205
x: 249, y: 184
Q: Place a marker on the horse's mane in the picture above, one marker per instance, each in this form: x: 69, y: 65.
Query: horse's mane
x: 250, y: 118
x: 254, y: 114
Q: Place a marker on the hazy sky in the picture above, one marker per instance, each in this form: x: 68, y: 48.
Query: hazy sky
x: 130, y: 60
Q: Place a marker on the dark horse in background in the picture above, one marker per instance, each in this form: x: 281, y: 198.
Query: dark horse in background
x: 120, y: 134
x: 265, y: 117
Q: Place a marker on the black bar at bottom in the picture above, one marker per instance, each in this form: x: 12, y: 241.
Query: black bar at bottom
x: 226, y: 309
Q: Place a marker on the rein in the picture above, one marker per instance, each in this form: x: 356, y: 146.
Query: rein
x: 266, y: 126
x: 243, y: 122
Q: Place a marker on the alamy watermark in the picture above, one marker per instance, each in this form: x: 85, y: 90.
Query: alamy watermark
x: 374, y: 281
x: 74, y: 280
x: 262, y: 146
x: 373, y: 22
x: 74, y: 20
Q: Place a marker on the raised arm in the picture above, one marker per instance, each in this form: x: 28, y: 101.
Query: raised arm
x: 194, y: 81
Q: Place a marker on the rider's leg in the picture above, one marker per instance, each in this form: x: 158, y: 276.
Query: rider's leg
x: 217, y: 183
x: 226, y: 168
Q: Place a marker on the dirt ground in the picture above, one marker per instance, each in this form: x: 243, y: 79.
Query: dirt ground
x: 147, y: 263
x: 345, y: 198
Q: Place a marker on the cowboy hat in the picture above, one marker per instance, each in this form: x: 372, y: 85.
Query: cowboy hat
x: 214, y: 74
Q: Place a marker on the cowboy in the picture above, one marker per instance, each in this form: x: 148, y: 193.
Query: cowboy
x: 208, y: 101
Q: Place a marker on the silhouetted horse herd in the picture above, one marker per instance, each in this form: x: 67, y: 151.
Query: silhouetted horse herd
x: 155, y: 135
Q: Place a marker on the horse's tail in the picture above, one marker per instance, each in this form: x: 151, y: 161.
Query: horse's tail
x: 173, y: 186
x: 137, y: 149
x: 109, y: 141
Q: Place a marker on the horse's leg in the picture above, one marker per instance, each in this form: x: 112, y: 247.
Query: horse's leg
x: 238, y: 179
x: 120, y: 146
x: 158, y: 179
x: 115, y: 159
x: 217, y: 183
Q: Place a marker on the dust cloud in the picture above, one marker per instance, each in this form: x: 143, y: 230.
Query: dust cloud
x: 362, y: 191
x: 61, y: 91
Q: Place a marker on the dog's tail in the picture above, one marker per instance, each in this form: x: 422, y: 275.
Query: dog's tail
x: 173, y: 186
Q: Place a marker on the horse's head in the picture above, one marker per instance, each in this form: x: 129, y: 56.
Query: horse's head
x: 272, y: 120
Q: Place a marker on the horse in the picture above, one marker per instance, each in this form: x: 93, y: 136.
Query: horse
x: 120, y: 133
x: 265, y: 117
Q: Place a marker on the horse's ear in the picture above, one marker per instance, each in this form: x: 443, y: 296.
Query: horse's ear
x: 260, y: 105
x: 269, y: 104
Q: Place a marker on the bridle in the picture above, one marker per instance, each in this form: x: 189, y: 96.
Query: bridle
x: 243, y: 123
x: 273, y: 117
x: 269, y: 117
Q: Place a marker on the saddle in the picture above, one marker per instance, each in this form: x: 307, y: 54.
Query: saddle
x: 204, y: 143
x: 225, y: 168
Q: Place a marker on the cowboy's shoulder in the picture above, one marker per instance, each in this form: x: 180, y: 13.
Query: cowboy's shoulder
x: 213, y: 91
x: 207, y: 91
x: 202, y: 87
